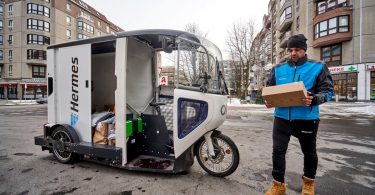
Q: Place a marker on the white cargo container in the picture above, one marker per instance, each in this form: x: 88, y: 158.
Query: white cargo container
x: 157, y: 127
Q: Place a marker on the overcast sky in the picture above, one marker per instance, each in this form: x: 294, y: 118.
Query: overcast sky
x: 212, y: 16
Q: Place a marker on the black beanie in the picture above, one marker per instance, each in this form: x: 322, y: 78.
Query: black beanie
x: 297, y: 41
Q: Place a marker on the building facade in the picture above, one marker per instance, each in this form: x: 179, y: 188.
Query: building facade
x: 340, y: 32
x: 27, y: 27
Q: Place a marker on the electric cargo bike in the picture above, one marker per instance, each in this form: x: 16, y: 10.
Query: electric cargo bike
x: 147, y: 100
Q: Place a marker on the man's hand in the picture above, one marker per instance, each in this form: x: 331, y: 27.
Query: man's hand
x: 307, y: 101
x: 268, y: 105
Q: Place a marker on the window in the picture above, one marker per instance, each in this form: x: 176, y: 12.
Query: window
x: 86, y: 27
x: 345, y: 85
x: 69, y: 34
x: 372, y: 86
x: 68, y: 20
x: 10, y: 54
x: 38, y: 9
x: 343, y: 23
x: 1, y: 40
x: 10, y: 70
x: 323, y: 28
x: 332, y: 26
x: 82, y: 36
x: 86, y: 16
x: 99, y: 24
x: 324, y: 6
x: 10, y: 9
x: 1, y: 9
x: 331, y: 55
x: 297, y: 23
x: 332, y: 23
x: 1, y: 55
x: 38, y: 24
x: 287, y: 13
x: 10, y: 39
x: 107, y: 29
x: 36, y: 54
x: 331, y: 4
x: 38, y: 39
x: 10, y: 24
x: 1, y: 25
x: 68, y: 6
x: 99, y: 33
x: 39, y: 71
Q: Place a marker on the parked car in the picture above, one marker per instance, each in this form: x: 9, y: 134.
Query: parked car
x: 42, y: 100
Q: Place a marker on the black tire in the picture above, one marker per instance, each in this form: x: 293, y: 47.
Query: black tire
x: 225, y: 149
x: 63, y: 135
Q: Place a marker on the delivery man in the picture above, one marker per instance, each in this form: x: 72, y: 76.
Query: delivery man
x: 299, y: 121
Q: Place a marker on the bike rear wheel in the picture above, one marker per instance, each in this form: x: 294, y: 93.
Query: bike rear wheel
x: 63, y: 136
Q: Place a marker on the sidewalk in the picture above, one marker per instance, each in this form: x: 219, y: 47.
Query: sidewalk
x: 16, y: 102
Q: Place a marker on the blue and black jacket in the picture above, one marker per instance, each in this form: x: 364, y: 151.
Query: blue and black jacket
x: 317, y: 79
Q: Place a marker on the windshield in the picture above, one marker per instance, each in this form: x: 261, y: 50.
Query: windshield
x: 199, y: 65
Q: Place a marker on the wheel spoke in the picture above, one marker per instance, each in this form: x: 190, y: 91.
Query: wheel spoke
x: 62, y: 137
x: 222, y: 161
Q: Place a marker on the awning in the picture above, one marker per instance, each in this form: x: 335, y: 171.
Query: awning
x: 34, y: 84
x: 8, y: 84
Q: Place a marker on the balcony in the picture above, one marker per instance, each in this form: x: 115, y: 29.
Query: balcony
x: 286, y: 17
x: 336, y: 36
x: 85, y: 16
x: 286, y: 23
x: 284, y: 39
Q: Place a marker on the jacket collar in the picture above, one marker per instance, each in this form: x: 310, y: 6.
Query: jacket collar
x: 299, y: 61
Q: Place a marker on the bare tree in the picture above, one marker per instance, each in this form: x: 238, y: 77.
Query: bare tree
x: 194, y: 28
x: 192, y: 60
x: 239, y: 41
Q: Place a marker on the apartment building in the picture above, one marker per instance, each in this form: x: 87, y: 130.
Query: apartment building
x: 27, y: 27
x: 340, y: 32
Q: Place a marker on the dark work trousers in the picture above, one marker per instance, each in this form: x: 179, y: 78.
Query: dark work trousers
x: 305, y: 131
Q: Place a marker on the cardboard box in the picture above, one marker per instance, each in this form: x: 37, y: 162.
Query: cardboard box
x: 101, y: 134
x: 285, y: 95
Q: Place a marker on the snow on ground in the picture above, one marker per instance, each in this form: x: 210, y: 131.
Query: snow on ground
x: 234, y: 101
x: 18, y: 102
x: 331, y: 108
x: 369, y: 110
x: 349, y: 108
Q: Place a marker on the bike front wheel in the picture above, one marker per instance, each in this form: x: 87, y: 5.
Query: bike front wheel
x: 226, y: 158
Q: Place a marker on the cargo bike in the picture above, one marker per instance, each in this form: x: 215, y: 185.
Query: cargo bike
x: 158, y: 95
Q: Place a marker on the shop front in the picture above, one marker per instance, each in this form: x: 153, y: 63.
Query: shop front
x: 8, y: 90
x: 2, y: 92
x: 34, y: 91
x: 371, y: 68
x: 34, y: 88
x: 345, y: 80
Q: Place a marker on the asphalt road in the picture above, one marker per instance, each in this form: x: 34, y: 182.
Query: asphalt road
x: 346, y: 149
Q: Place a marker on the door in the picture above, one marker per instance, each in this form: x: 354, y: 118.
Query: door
x: 194, y: 114
x: 73, y: 89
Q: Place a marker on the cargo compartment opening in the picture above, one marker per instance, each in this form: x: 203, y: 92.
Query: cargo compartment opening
x: 103, y: 79
x: 152, y: 141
